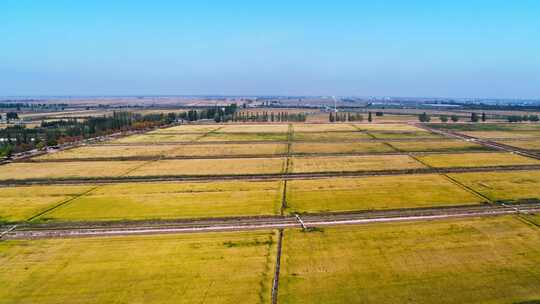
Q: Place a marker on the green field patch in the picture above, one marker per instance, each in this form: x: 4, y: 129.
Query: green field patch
x: 329, y: 136
x: 476, y: 160
x: 436, y: 146
x: 351, y: 147
x: 504, y: 134
x: 478, y: 260
x: 184, y: 268
x: 244, y: 137
x: 398, y: 135
x: 401, y: 127
x: 139, y: 201
x: 377, y: 192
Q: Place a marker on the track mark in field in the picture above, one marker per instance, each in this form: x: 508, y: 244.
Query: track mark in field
x: 420, y: 161
x: 283, y: 198
x: 393, y: 147
x: 275, y: 282
x: 468, y: 189
x: 206, y: 134
x: 62, y: 203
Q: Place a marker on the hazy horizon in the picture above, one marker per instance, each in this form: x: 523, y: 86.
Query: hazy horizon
x: 485, y: 49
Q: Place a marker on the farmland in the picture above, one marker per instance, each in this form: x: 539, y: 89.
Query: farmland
x: 476, y: 160
x: 159, y: 269
x: 493, y: 260
x: 167, y: 150
x: 134, y: 196
x: 353, y: 163
x: 141, y: 201
x: 350, y: 194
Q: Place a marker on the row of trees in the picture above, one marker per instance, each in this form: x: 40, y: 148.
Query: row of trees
x: 519, y: 118
x: 15, y: 139
x: 345, y: 116
x: 218, y: 114
x: 268, y: 117
x: 424, y: 117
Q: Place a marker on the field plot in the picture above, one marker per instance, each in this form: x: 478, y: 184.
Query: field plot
x: 158, y: 138
x: 377, y: 192
x: 522, y: 144
x: 398, y: 135
x: 104, y: 151
x: 476, y: 160
x: 86, y: 169
x: 323, y: 127
x: 21, y: 203
x: 244, y: 137
x: 353, y: 147
x: 478, y: 260
x: 503, y: 134
x: 188, y: 268
x: 489, y: 126
x: 330, y: 136
x: 353, y: 163
x: 137, y: 201
x: 187, y: 129
x: 507, y: 186
x: 387, y: 127
x: 213, y: 166
x: 255, y: 128
x: 436, y: 146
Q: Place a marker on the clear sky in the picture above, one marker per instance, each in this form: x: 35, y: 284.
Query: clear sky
x: 429, y: 48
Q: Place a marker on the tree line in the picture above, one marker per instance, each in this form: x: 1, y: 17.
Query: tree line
x: 16, y: 139
x: 344, y: 116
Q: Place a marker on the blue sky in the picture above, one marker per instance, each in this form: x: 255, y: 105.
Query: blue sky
x: 365, y: 48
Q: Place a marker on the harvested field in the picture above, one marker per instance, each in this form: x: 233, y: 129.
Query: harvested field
x: 214, y: 166
x: 330, y: 136
x: 419, y: 134
x: 522, y: 144
x: 21, y: 203
x: 477, y: 260
x: 503, y: 186
x: 503, y: 134
x: 158, y: 138
x: 354, y: 147
x: 436, y: 146
x: 353, y: 163
x: 183, y: 268
x: 387, y: 127
x: 476, y: 160
x: 255, y: 128
x: 323, y: 127
x: 88, y: 169
x: 244, y: 137
x: 168, y: 151
x: 376, y: 192
x: 142, y: 201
